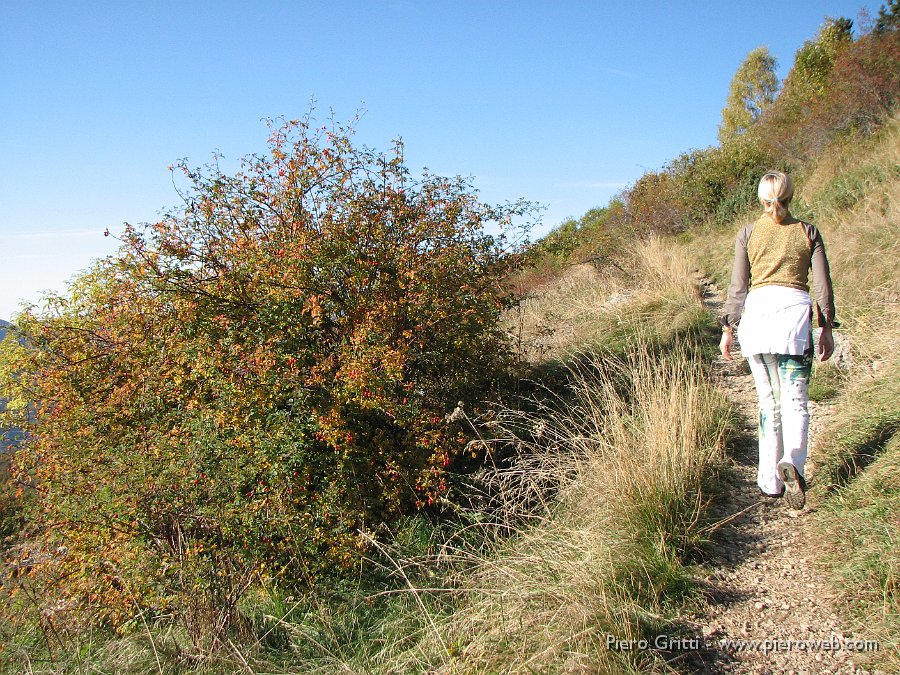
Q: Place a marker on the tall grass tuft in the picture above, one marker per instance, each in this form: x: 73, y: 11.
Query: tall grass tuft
x: 630, y: 462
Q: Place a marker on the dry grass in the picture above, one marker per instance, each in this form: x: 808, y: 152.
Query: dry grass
x: 847, y: 158
x: 860, y: 453
x: 563, y: 313
x: 629, y: 461
x: 863, y: 248
x: 651, y: 288
x: 857, y: 469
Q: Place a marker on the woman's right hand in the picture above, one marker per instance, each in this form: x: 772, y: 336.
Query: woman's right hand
x: 725, y: 344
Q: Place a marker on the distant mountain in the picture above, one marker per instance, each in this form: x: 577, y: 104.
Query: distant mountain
x: 8, y: 436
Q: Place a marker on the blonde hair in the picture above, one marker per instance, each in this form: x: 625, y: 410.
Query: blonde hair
x: 776, y: 189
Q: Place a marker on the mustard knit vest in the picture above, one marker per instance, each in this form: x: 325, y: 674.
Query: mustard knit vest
x: 779, y: 254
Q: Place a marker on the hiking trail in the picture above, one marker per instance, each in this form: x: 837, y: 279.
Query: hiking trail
x: 769, y: 609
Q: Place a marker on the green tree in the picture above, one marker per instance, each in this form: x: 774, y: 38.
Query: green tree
x: 816, y: 58
x: 752, y: 89
x: 888, y: 17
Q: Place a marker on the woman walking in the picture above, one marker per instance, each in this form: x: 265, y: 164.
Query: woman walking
x: 769, y: 303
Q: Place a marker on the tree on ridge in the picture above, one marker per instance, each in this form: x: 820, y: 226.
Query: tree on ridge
x: 752, y: 89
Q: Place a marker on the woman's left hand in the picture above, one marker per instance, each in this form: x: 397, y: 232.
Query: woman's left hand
x: 826, y: 344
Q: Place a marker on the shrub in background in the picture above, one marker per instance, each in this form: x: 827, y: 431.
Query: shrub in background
x: 714, y: 183
x: 837, y: 86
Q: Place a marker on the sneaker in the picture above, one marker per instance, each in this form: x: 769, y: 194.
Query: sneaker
x: 794, y: 487
x: 777, y: 495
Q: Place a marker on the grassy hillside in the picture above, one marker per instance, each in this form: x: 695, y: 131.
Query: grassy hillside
x: 591, y: 515
x: 858, y: 198
x: 586, y: 526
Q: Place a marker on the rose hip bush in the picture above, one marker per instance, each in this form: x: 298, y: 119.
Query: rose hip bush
x: 257, y: 379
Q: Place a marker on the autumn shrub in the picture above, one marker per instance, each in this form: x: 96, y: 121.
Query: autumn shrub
x: 714, y: 183
x: 837, y: 87
x: 652, y: 205
x: 255, y: 381
x: 597, y: 238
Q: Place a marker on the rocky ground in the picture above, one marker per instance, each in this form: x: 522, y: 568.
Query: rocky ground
x: 769, y: 609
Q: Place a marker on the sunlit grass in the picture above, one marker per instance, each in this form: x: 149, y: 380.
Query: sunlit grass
x: 650, y: 289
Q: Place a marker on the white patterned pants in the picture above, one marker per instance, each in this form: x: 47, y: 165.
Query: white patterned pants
x: 782, y: 384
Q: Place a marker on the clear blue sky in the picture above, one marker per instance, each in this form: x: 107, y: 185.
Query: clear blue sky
x: 560, y: 102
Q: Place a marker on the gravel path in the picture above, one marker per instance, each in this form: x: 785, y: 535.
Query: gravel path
x: 764, y: 590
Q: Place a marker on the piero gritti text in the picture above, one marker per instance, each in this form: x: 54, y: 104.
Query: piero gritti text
x: 675, y: 643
